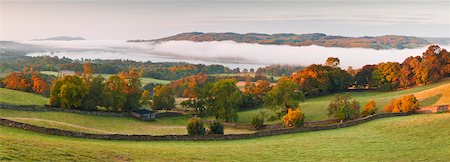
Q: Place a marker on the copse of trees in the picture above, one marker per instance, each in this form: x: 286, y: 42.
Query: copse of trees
x: 120, y: 92
x: 319, y: 79
x: 433, y: 65
x: 28, y: 81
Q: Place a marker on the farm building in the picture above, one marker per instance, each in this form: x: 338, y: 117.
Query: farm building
x: 144, y: 114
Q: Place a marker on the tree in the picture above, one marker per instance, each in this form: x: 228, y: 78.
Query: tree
x: 407, y: 103
x: 55, y: 98
x: 195, y: 126
x: 132, y: 85
x: 145, y: 98
x: 294, y: 118
x: 343, y: 108
x: 386, y: 76
x: 369, y: 109
x: 163, y: 98
x: 364, y: 76
x: 87, y: 72
x: 96, y: 96
x: 115, y: 96
x: 39, y: 84
x: 286, y: 94
x: 332, y: 61
x: 224, y: 98
x: 73, y: 91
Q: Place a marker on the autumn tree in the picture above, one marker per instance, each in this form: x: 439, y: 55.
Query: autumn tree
x: 132, y: 88
x: 284, y: 95
x: 224, y: 98
x: 39, y: 84
x: 73, y: 91
x: 332, y: 61
x: 163, y: 98
x: 294, y: 118
x: 145, y: 98
x: 407, y: 103
x: 369, y: 109
x: 115, y: 96
x: 55, y: 98
x: 343, y: 107
x: 386, y: 76
x: 87, y: 72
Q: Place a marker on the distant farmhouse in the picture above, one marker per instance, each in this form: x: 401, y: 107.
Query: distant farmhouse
x: 144, y: 114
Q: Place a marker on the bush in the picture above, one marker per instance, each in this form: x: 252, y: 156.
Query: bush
x: 216, y: 127
x: 195, y: 126
x: 294, y: 118
x: 343, y: 108
x: 258, y: 122
x: 407, y: 103
x: 369, y: 109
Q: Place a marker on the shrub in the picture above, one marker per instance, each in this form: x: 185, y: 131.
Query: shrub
x: 216, y: 127
x: 258, y: 122
x: 369, y: 109
x: 343, y: 108
x: 195, y: 126
x: 294, y: 118
x: 407, y: 103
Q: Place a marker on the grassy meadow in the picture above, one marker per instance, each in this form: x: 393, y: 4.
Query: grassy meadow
x: 409, y: 138
x: 316, y: 108
x: 144, y: 80
x: 21, y: 98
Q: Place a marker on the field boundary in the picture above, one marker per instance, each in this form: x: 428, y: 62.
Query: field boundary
x: 46, y: 108
x: 264, y: 133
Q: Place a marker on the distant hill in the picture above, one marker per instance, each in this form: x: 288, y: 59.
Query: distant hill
x: 320, y: 39
x: 438, y: 40
x: 61, y: 38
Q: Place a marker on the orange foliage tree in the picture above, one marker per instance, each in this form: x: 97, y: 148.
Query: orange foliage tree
x: 407, y: 103
x: 294, y: 118
x: 369, y: 109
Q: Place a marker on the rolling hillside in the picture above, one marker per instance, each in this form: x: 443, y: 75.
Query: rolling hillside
x: 411, y: 138
x: 320, y: 39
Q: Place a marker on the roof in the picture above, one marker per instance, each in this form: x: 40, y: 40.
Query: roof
x: 143, y: 111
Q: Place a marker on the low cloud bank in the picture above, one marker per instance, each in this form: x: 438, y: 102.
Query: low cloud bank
x: 230, y: 52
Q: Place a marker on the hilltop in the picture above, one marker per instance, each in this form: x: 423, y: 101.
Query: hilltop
x: 320, y: 39
x: 60, y: 38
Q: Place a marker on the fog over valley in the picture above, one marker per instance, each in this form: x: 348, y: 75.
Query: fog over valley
x: 227, y: 53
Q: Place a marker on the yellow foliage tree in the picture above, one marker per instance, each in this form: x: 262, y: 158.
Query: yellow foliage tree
x: 369, y: 109
x: 294, y: 118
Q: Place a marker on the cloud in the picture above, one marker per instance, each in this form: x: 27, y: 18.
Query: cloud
x: 228, y: 53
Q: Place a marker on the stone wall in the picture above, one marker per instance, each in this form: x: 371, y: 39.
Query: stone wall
x: 56, y: 109
x: 53, y: 131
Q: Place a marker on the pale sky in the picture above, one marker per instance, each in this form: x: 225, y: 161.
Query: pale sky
x: 120, y: 20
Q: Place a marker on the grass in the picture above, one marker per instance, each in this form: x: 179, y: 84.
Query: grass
x: 104, y: 124
x: 21, y: 98
x: 316, y: 108
x: 409, y: 138
x: 144, y: 80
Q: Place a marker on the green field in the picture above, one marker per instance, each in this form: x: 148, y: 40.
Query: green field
x: 144, y: 80
x: 410, y: 138
x: 316, y: 108
x: 104, y: 124
x: 21, y: 98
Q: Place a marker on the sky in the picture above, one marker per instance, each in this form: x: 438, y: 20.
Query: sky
x: 120, y: 20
